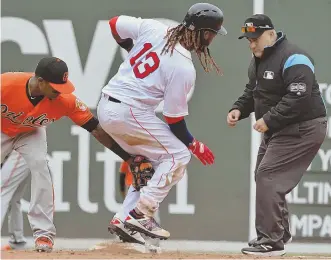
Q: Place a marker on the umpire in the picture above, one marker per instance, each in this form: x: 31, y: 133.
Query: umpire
x: 284, y: 94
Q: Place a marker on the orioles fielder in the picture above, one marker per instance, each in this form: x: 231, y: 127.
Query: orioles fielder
x: 158, y: 68
x: 29, y: 103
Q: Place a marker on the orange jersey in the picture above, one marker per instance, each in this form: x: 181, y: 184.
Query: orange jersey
x: 19, y: 115
x: 125, y: 168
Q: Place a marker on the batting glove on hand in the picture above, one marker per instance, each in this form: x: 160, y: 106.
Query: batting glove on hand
x: 202, y: 152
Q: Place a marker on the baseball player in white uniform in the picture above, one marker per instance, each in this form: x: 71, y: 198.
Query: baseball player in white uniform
x: 158, y: 68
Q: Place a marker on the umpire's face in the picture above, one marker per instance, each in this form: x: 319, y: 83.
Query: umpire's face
x: 257, y: 45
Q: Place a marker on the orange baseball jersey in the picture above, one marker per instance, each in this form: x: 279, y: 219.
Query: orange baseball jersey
x: 19, y: 115
x: 125, y: 168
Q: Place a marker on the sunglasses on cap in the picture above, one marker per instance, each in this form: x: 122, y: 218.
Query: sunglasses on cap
x: 245, y: 29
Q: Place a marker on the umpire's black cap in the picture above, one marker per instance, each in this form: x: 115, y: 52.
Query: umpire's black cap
x: 256, y: 25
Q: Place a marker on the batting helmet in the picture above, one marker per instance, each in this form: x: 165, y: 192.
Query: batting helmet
x: 205, y: 16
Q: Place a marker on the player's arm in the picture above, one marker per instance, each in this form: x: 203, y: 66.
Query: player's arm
x: 179, y: 129
x: 175, y: 108
x: 125, y: 29
x: 79, y: 113
x: 107, y: 141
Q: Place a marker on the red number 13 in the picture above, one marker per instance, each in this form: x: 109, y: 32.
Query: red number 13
x: 148, y: 69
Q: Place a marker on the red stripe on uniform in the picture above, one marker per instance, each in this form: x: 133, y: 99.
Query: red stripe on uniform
x: 53, y: 193
x: 112, y: 24
x: 173, y: 159
x: 53, y: 196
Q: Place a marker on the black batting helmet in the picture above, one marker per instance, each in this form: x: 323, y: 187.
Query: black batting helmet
x: 205, y: 16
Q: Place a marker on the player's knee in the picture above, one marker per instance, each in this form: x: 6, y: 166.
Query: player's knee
x: 38, y: 164
x: 184, y: 157
x: 188, y: 155
x: 263, y: 176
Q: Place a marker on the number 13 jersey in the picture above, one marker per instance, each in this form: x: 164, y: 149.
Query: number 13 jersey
x: 146, y: 77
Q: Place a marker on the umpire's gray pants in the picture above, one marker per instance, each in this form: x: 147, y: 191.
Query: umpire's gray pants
x: 282, y: 160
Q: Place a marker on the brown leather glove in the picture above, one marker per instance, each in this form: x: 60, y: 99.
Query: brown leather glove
x: 142, y: 171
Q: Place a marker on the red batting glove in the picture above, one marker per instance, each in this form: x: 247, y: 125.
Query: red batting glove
x: 202, y: 152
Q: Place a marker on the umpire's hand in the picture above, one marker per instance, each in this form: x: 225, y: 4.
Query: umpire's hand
x: 260, y: 126
x: 233, y: 117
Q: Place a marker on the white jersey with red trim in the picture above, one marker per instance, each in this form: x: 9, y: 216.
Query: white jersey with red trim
x: 146, y: 77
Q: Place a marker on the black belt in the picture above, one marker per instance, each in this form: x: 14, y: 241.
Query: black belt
x: 113, y: 99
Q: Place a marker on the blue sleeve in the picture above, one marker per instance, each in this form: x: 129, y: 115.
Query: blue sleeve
x: 298, y: 59
x: 180, y: 130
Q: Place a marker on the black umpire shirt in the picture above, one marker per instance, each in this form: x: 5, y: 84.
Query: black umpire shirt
x: 282, y: 87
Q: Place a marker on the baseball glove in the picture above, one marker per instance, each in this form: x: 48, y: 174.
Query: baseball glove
x: 142, y: 171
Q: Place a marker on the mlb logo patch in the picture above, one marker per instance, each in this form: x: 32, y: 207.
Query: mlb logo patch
x: 268, y: 74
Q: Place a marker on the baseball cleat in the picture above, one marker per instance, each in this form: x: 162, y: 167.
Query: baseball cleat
x: 254, y: 241
x: 146, y: 225
x: 116, y: 226
x: 6, y: 247
x: 43, y: 244
x: 263, y: 250
x: 14, y: 246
